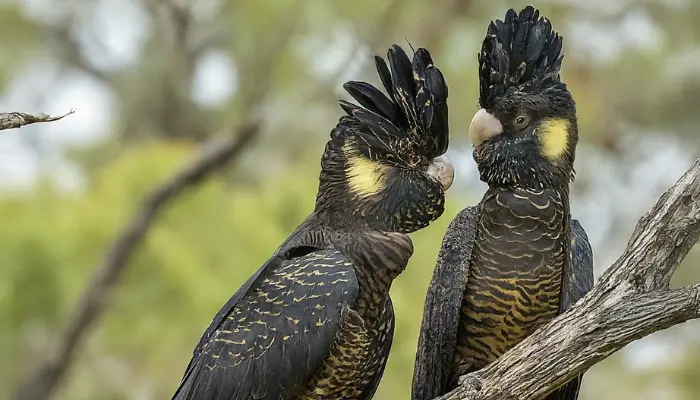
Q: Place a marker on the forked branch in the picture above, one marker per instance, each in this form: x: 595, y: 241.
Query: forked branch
x: 630, y: 301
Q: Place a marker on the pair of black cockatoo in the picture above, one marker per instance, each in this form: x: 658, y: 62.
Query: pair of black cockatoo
x: 316, y: 320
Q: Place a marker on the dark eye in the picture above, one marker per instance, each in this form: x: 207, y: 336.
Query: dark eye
x: 521, y: 121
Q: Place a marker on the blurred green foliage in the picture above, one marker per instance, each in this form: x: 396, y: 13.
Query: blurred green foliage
x: 290, y: 61
x: 204, y: 247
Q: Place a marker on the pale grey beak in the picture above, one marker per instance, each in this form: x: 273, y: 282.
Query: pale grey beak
x: 441, y: 170
x: 484, y: 126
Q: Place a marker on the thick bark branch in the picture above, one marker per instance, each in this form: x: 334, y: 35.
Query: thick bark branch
x: 630, y: 301
x: 14, y: 120
x: 97, y: 294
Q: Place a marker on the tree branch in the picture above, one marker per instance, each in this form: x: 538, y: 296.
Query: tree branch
x: 95, y: 298
x: 630, y: 301
x: 13, y: 120
x: 68, y: 50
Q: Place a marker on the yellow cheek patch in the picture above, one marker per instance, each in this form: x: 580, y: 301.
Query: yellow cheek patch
x: 554, y: 138
x: 364, y: 177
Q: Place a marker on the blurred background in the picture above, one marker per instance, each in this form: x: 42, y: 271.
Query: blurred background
x: 153, y: 79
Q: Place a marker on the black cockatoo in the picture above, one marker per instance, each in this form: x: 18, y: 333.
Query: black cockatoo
x: 316, y: 321
x: 517, y: 259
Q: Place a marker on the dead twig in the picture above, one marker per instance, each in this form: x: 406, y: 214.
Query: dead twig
x: 14, y: 120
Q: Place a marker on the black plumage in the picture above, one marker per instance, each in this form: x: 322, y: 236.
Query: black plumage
x: 316, y: 321
x: 514, y: 261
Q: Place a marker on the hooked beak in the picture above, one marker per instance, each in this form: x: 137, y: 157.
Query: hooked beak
x: 484, y: 126
x: 442, y: 171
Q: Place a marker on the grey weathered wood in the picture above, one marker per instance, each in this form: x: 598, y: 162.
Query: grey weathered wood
x: 630, y: 301
x: 12, y: 120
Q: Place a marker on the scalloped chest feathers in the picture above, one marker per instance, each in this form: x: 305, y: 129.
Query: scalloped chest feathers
x: 515, y: 274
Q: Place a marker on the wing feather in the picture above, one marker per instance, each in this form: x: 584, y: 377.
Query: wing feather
x: 577, y: 281
x: 274, y: 333
x: 438, y: 333
x: 270, y: 264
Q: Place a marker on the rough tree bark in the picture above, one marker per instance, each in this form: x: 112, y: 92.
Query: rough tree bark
x: 13, y: 120
x: 631, y: 300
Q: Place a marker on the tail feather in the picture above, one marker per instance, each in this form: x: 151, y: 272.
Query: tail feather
x: 570, y: 391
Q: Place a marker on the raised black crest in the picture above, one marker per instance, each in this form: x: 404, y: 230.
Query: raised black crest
x: 415, y: 110
x: 520, y: 53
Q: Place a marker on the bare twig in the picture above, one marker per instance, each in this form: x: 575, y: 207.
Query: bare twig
x: 14, y: 120
x: 630, y: 301
x: 97, y: 294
